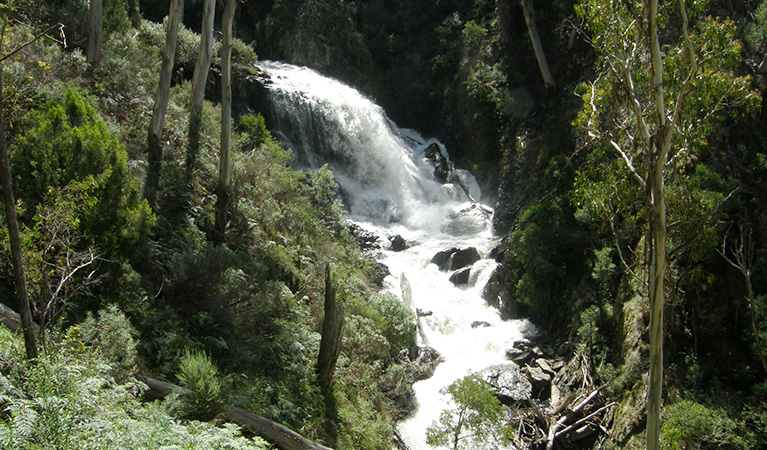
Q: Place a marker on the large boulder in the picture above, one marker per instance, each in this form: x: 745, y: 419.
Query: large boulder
x: 442, y: 259
x: 460, y: 277
x: 454, y: 259
x: 507, y: 382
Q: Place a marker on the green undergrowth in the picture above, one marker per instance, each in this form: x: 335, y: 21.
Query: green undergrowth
x: 248, y: 304
x: 70, y: 399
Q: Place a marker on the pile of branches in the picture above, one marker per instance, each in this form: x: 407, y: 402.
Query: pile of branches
x: 573, y: 415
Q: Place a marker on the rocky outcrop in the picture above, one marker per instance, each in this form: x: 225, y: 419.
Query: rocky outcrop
x: 507, y: 383
x: 441, y: 167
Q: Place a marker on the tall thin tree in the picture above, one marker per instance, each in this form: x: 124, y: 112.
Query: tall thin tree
x: 540, y: 55
x: 154, y: 144
x: 9, y: 202
x: 225, y: 163
x: 199, y: 80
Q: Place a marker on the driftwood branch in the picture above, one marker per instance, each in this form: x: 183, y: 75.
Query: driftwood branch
x: 281, y: 436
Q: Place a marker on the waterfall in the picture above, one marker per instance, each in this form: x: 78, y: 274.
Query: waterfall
x: 389, y: 189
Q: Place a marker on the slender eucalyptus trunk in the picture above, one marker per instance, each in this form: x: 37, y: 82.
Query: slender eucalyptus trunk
x: 540, y: 55
x: 225, y: 165
x: 658, y: 232
x: 22, y: 297
x: 199, y: 80
x: 657, y: 155
x: 154, y: 144
x: 95, y: 34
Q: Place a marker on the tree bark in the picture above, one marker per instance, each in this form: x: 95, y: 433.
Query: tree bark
x: 540, y: 55
x: 22, y: 297
x: 332, y: 326
x: 225, y: 164
x: 154, y: 144
x: 95, y: 34
x: 658, y: 230
x: 199, y: 80
x: 134, y: 13
x: 283, y: 437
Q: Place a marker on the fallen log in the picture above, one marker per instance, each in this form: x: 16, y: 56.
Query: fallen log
x: 281, y: 436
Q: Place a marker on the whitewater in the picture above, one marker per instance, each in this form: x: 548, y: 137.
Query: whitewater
x: 389, y: 189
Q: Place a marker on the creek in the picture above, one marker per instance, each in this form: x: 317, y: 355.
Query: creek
x: 389, y: 189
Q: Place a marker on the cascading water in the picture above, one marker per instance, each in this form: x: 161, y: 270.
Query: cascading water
x: 389, y: 189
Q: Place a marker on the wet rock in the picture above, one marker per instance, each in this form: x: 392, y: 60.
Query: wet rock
x: 441, y: 166
x: 397, y: 243
x: 471, y: 220
x: 540, y: 382
x: 521, y: 353
x: 480, y: 324
x: 420, y: 363
x: 367, y: 240
x: 507, y: 382
x: 463, y: 258
x: 460, y: 277
x: 442, y: 259
x: 380, y: 272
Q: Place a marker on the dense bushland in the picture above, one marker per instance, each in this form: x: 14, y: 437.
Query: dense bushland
x: 250, y: 305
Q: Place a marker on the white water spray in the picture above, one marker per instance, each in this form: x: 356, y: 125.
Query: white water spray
x: 390, y: 190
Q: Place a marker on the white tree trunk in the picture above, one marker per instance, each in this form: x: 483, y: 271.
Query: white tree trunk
x: 540, y: 55
x: 154, y: 145
x: 203, y: 59
x: 225, y: 164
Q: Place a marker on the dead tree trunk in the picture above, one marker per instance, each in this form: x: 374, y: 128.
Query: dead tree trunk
x: 540, y: 55
x: 22, y: 297
x: 743, y: 261
x: 154, y: 144
x: 95, y: 33
x: 330, y: 343
x: 199, y: 80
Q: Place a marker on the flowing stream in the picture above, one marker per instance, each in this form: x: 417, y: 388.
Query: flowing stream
x: 389, y: 189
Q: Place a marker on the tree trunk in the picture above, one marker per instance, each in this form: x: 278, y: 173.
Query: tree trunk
x: 134, y: 13
x: 225, y: 167
x: 154, y: 144
x: 540, y: 55
x: 657, y: 155
x: 198, y: 83
x: 656, y: 296
x: 95, y: 34
x: 754, y: 327
x: 22, y: 297
x: 330, y: 343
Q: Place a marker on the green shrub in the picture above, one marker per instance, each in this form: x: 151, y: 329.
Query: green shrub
x: 199, y: 374
x: 396, y: 321
x: 68, y: 143
x: 473, y: 422
x: 690, y: 425
x: 114, y: 337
